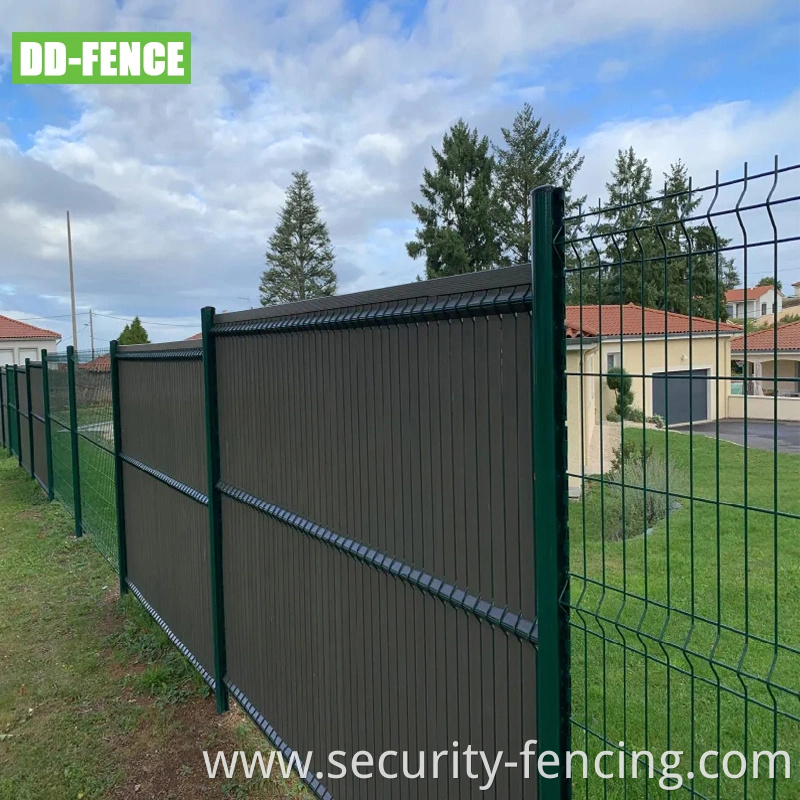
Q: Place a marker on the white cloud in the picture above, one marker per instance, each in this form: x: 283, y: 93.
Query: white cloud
x: 612, y: 69
x: 720, y: 137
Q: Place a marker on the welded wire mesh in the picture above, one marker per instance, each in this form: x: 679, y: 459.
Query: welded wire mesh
x: 683, y: 470
x: 95, y: 437
x: 60, y: 438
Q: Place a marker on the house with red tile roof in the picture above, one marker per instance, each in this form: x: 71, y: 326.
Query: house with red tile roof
x: 20, y: 340
x: 753, y: 303
x: 771, y: 359
x: 674, y: 361
x: 656, y: 348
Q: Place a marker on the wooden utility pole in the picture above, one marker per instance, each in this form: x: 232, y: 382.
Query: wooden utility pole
x: 91, y: 331
x: 72, y: 287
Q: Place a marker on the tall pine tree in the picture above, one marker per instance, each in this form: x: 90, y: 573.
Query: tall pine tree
x: 655, y: 251
x: 461, y: 219
x: 533, y: 155
x: 697, y: 275
x: 300, y: 257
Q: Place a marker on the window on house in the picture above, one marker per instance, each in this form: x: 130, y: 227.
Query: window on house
x: 763, y: 309
x: 612, y: 361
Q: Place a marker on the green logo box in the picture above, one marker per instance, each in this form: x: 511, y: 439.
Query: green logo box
x: 101, y: 57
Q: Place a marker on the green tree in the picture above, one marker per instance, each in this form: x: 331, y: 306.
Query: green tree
x: 770, y: 282
x: 300, y: 257
x: 619, y: 381
x: 532, y: 155
x: 655, y: 250
x: 697, y: 274
x: 134, y: 333
x: 460, y: 219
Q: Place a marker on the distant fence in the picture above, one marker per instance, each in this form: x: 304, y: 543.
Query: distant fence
x: 57, y: 421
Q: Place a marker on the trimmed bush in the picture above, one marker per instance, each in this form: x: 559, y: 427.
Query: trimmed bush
x: 620, y: 382
x: 644, y: 480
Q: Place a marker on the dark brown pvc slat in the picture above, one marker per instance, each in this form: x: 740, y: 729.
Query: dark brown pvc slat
x: 24, y: 441
x: 413, y: 438
x: 37, y: 396
x: 162, y: 413
x: 316, y: 464
x: 275, y: 611
x: 167, y: 543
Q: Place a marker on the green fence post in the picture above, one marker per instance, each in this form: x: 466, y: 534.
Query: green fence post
x: 122, y: 544
x: 48, y: 431
x: 29, y: 409
x: 73, y: 435
x: 214, y: 507
x: 550, y: 502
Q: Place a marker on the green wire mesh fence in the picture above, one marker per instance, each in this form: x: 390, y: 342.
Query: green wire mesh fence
x: 95, y: 436
x: 82, y: 438
x: 685, y: 518
x: 60, y: 433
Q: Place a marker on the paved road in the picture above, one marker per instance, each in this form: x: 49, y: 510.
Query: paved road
x: 760, y: 434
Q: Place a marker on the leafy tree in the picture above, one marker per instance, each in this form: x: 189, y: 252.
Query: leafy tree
x: 460, y: 219
x: 134, y: 333
x: 533, y: 155
x: 300, y: 257
x: 770, y: 282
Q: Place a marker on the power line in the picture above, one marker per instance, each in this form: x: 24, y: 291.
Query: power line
x: 57, y: 316
x: 145, y: 321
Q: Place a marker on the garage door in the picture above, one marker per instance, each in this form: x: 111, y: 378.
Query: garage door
x: 686, y: 399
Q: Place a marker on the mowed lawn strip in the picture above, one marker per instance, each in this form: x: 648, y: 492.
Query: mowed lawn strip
x: 708, y: 580
x: 94, y: 700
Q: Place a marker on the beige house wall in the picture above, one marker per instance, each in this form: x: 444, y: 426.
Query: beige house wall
x: 764, y: 408
x: 788, y: 367
x: 581, y: 408
x: 789, y: 311
x: 657, y: 359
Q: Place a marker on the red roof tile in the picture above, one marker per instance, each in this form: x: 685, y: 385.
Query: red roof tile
x: 196, y: 336
x: 99, y: 364
x: 655, y: 322
x: 737, y: 295
x: 14, y: 329
x: 788, y: 339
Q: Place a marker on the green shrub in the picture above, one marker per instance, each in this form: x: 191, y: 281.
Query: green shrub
x: 620, y: 382
x: 612, y: 416
x: 644, y: 479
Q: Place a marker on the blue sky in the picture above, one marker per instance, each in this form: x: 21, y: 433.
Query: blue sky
x: 174, y: 190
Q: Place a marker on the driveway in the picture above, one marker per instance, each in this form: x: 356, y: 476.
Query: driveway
x: 760, y: 433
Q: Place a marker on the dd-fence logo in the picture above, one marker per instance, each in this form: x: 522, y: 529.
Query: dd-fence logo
x: 101, y: 57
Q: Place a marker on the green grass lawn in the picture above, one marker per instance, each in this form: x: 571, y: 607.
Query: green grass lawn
x: 698, y: 622
x: 95, y: 702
